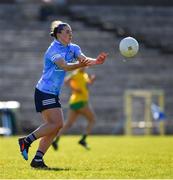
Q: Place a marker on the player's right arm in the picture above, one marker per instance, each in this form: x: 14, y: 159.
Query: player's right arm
x: 83, y: 61
x: 94, y: 61
x: 61, y: 63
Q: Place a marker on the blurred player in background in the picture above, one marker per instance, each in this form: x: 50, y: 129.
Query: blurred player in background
x: 58, y: 59
x: 78, y: 104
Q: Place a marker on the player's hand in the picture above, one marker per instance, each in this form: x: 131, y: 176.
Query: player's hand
x: 101, y: 58
x: 93, y: 77
x: 78, y: 91
x: 83, y: 62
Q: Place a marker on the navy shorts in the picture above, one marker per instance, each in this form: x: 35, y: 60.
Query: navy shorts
x: 45, y: 101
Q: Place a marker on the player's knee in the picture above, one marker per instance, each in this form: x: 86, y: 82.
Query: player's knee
x: 69, y: 125
x: 57, y: 125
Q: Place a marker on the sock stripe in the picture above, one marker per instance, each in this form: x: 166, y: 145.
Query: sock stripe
x: 40, y: 152
x: 30, y: 138
x: 34, y: 137
x: 39, y: 155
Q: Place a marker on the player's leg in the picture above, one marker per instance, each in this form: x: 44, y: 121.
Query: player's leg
x: 90, y: 117
x: 55, y: 143
x: 71, y: 118
x: 52, y: 124
x: 52, y: 117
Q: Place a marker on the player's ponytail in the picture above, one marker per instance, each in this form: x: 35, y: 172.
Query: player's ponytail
x: 54, y: 24
x: 57, y: 27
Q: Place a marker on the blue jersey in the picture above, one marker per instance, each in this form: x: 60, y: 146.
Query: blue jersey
x: 53, y: 76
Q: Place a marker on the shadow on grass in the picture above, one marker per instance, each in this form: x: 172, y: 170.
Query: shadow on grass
x: 53, y: 169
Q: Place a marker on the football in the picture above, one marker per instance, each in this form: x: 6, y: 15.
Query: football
x: 129, y: 47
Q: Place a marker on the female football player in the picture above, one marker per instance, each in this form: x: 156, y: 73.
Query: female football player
x: 58, y: 59
x: 79, y: 104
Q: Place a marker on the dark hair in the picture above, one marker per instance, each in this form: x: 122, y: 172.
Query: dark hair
x: 58, y: 29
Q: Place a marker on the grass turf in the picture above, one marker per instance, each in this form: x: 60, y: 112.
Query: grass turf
x: 117, y: 157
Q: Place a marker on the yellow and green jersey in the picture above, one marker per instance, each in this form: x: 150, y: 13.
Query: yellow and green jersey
x: 79, y: 81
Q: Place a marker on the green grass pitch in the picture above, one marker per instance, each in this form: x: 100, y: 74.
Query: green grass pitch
x: 116, y: 157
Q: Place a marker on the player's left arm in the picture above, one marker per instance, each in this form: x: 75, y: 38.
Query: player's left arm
x: 94, y: 61
x: 92, y: 78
